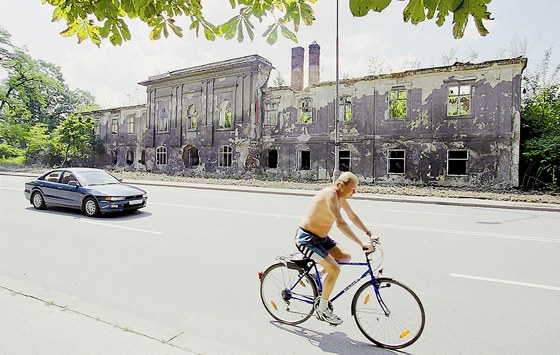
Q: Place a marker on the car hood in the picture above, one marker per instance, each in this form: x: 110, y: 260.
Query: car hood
x: 117, y: 190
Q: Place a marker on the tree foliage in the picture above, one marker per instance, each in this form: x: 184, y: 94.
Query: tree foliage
x: 96, y: 20
x: 73, y: 138
x: 34, y: 100
x: 540, y: 130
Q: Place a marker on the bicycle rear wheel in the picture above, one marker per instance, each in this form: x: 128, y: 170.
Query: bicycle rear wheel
x: 287, y: 294
x: 398, y: 329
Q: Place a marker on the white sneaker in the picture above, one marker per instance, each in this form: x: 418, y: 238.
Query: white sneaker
x: 328, y: 316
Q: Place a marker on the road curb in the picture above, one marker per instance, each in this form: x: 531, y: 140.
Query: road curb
x: 464, y: 202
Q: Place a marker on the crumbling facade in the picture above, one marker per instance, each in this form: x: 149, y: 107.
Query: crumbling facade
x: 455, y: 125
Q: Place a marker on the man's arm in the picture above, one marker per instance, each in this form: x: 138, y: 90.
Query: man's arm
x: 356, y: 220
x: 334, y: 208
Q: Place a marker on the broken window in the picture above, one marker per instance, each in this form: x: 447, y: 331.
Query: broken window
x: 143, y: 157
x: 191, y: 118
x: 129, y: 157
x: 345, y: 109
x: 273, y: 158
x: 163, y: 116
x: 457, y: 162
x: 304, y: 160
x: 306, y: 111
x: 161, y: 155
x: 459, y: 100
x: 397, y: 103
x: 130, y: 124
x: 271, y: 113
x: 115, y: 125
x: 225, y: 118
x: 96, y: 128
x: 344, y: 160
x: 225, y: 155
x: 190, y: 156
x: 396, y: 161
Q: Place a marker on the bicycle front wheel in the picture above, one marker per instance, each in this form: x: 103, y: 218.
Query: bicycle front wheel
x: 287, y: 294
x: 400, y: 325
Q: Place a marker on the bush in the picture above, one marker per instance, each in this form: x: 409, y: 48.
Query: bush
x: 7, y: 151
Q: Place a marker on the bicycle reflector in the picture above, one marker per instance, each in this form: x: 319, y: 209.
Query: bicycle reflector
x: 260, y: 275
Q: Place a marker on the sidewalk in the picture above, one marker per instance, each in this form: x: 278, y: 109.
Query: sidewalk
x: 42, y: 322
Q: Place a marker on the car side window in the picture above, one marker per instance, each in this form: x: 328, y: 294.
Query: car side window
x: 53, y: 177
x: 67, y: 177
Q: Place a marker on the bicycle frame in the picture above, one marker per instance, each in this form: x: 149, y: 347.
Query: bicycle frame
x: 343, y: 291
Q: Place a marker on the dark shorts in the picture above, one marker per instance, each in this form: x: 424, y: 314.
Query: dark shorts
x: 308, y: 244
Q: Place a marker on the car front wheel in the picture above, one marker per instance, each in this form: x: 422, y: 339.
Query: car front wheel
x: 91, y: 209
x: 37, y: 200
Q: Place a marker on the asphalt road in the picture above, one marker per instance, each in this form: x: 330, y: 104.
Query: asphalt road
x: 183, y: 271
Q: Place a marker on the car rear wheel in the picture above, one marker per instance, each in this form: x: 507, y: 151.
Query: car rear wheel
x: 37, y: 200
x: 91, y: 209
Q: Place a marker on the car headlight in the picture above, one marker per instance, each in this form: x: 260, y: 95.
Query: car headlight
x: 114, y: 198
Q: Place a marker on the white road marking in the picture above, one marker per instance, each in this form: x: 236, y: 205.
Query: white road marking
x: 477, y: 234
x: 121, y: 227
x: 381, y: 225
x: 216, y: 197
x: 516, y: 283
x: 431, y: 213
x: 215, y: 209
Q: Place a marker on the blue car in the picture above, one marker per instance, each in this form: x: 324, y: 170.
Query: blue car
x: 93, y: 191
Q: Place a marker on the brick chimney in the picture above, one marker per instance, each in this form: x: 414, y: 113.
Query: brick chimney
x: 314, y: 66
x: 298, y: 54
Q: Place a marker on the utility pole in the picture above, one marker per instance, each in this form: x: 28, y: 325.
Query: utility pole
x: 336, y: 172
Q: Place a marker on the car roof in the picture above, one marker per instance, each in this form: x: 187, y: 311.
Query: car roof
x: 76, y: 170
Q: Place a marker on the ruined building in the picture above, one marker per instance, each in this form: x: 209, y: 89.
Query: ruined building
x: 454, y: 125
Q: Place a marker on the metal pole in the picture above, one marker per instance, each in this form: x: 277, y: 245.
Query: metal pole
x: 336, y: 171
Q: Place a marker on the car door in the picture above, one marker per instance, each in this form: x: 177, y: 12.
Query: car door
x: 50, y: 186
x: 69, y: 194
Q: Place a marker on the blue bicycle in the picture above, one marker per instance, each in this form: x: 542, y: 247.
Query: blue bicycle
x: 386, y: 311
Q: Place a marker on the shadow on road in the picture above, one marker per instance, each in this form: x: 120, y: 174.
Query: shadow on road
x: 127, y: 215
x: 335, y: 342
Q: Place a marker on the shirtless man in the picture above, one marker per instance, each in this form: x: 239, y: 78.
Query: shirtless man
x: 313, y: 241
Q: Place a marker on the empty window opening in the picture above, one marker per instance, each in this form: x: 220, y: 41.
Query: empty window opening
x: 396, y: 161
x: 273, y: 158
x: 163, y: 116
x: 398, y: 103
x: 344, y: 160
x: 142, y: 157
x: 161, y: 155
x: 345, y: 109
x: 130, y: 124
x: 306, y: 111
x: 225, y: 119
x: 190, y: 156
x: 191, y: 117
x: 114, y: 125
x: 459, y: 100
x: 225, y: 155
x: 304, y: 160
x: 129, y: 157
x: 457, y: 162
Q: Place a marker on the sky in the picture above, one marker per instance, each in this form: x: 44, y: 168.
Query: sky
x: 112, y: 73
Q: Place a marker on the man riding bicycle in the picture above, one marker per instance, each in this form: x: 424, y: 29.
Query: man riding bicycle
x: 313, y: 241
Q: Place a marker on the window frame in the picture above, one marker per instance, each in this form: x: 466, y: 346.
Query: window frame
x: 161, y: 152
x: 458, y: 96
x: 188, y: 150
x: 226, y: 111
x: 398, y: 90
x: 189, y: 118
x: 114, y: 124
x: 271, y: 112
x: 225, y: 154
x: 349, y: 158
x: 130, y: 124
x: 389, y: 159
x: 308, y: 103
x: 466, y: 160
x: 345, y: 102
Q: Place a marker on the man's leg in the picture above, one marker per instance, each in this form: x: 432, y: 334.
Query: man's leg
x: 333, y: 270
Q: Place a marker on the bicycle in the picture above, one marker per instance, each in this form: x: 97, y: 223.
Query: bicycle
x: 386, y: 311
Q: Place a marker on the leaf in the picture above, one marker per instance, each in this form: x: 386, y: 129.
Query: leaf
x: 155, y: 34
x: 360, y: 8
x: 414, y: 11
x: 240, y: 32
x: 177, y: 30
x: 82, y: 34
x: 287, y: 33
x: 209, y: 34
x: 71, y: 30
x: 273, y: 35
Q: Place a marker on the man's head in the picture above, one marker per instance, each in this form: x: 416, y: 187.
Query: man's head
x: 346, y: 184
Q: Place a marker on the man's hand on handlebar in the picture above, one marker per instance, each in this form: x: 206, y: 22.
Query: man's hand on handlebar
x: 368, y: 247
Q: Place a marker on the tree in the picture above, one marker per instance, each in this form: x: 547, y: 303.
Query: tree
x: 101, y: 19
x: 73, y: 138
x: 540, y: 129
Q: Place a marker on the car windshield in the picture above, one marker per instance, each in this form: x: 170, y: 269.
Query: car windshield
x: 89, y: 178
